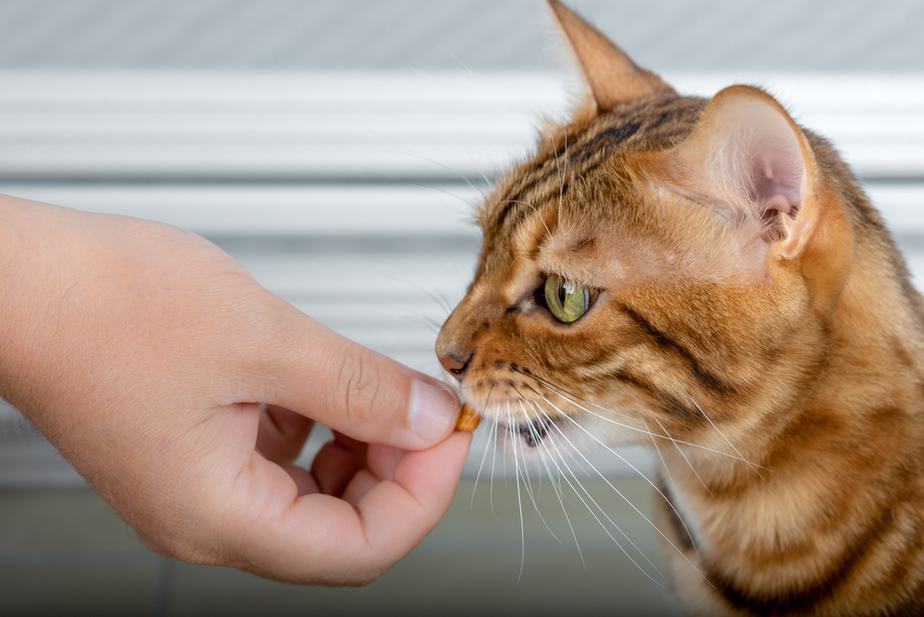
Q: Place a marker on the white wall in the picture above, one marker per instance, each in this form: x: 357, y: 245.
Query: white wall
x: 349, y: 194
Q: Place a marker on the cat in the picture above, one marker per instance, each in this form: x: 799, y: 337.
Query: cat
x: 708, y: 278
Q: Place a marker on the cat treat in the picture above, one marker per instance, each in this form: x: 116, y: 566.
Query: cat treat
x: 468, y: 420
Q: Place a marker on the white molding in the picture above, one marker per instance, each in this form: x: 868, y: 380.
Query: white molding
x: 336, y: 125
x: 215, y: 209
x: 102, y: 129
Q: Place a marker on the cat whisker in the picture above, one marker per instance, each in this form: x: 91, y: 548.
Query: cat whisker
x: 429, y: 322
x: 627, y: 462
x: 561, y: 392
x: 484, y: 176
x: 657, y: 449
x: 487, y: 444
x: 535, y: 210
x: 468, y: 70
x: 529, y: 490
x: 484, y: 456
x: 670, y: 478
x: 484, y: 196
x: 558, y: 390
x: 434, y: 187
x: 545, y: 444
x: 557, y: 490
x: 445, y: 167
x: 444, y: 302
x: 609, y: 420
x: 565, y: 395
x: 439, y: 300
x: 683, y: 455
x: 516, y: 462
x: 561, y: 177
x: 727, y: 440
x: 493, y: 459
x: 631, y: 505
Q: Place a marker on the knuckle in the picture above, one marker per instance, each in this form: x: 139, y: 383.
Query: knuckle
x: 359, y: 382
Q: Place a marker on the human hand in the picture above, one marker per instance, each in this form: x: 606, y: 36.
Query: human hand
x: 144, y: 354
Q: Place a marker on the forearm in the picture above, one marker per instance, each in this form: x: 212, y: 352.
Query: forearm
x: 26, y: 285
x: 58, y: 297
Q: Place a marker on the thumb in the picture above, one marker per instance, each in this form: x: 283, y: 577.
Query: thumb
x: 356, y: 391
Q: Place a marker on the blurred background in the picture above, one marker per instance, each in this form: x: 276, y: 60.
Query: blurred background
x: 336, y: 149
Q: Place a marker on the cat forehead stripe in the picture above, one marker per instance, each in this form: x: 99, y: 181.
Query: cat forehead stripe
x: 652, y: 124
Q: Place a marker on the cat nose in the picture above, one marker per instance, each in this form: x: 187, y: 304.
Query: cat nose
x: 455, y: 363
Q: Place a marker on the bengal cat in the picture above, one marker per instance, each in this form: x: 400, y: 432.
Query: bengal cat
x: 707, y: 277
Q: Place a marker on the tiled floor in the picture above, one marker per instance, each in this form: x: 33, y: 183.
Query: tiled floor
x: 66, y: 552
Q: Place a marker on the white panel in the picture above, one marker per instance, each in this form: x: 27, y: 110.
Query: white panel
x: 253, y: 210
x: 377, y: 125
x: 368, y: 228
x: 344, y: 209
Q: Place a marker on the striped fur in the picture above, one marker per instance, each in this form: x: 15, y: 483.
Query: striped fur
x: 812, y: 367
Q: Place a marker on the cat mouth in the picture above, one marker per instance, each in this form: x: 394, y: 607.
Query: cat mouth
x: 533, y: 432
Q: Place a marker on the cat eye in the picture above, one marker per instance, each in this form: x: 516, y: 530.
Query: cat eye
x: 566, y: 300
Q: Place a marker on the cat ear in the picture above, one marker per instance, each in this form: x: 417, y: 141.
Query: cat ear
x: 752, y: 161
x: 612, y: 75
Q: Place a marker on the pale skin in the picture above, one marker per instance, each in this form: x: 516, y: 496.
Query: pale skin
x: 183, y: 391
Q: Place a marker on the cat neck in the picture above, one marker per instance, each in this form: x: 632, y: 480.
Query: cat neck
x: 850, y: 437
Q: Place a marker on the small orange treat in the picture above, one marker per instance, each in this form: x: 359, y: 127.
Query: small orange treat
x: 468, y: 420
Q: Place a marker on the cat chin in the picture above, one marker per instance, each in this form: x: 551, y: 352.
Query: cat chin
x: 561, y: 436
x: 527, y: 436
x: 570, y: 432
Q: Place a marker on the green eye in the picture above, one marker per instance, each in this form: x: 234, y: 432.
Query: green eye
x: 567, y: 301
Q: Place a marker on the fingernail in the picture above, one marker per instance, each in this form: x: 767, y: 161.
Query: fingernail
x: 434, y: 410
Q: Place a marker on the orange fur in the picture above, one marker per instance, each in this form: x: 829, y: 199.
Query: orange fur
x: 769, y: 345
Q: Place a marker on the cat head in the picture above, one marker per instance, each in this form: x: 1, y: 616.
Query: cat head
x: 654, y: 258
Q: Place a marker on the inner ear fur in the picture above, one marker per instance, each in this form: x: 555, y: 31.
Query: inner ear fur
x: 750, y: 160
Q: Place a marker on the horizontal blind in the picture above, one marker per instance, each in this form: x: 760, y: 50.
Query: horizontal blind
x: 350, y: 195
x: 442, y: 125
